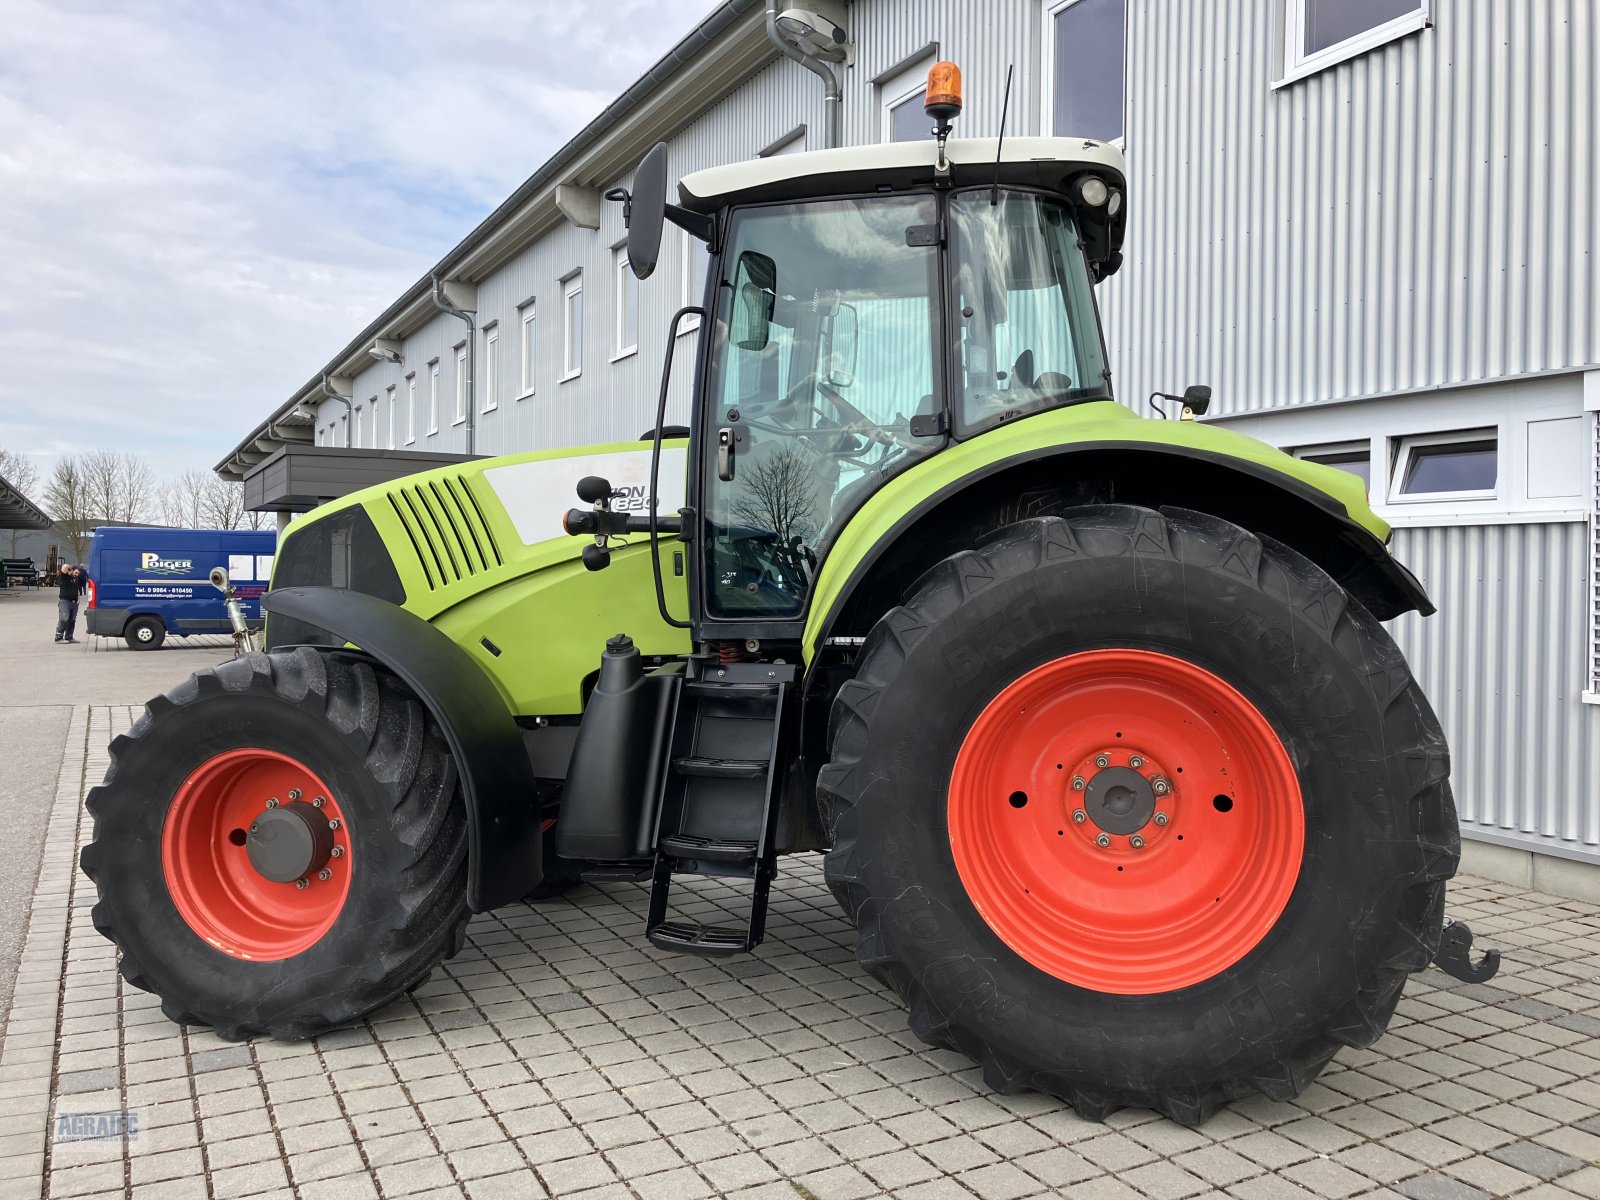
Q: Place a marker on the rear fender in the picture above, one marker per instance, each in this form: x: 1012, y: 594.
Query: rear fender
x: 504, y: 851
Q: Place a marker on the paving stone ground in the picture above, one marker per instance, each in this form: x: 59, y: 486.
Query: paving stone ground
x: 561, y: 1055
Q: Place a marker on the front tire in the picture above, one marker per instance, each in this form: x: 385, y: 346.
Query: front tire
x: 1093, y: 671
x: 279, y: 846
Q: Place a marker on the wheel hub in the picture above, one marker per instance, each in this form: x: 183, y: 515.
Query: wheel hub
x: 289, y: 842
x: 1120, y: 800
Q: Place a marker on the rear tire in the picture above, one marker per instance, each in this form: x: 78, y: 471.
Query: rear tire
x: 144, y: 633
x: 198, y: 925
x: 974, y: 944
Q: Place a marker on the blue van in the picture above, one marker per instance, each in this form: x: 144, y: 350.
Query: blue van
x: 146, y: 583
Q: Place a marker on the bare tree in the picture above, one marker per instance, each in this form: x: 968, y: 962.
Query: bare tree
x: 779, y: 493
x: 67, y: 501
x: 19, y: 471
x: 224, y: 503
x: 181, y: 502
x: 118, y: 485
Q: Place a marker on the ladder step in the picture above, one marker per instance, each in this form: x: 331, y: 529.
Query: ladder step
x: 713, y: 687
x: 687, y: 845
x: 618, y: 872
x: 712, y: 941
x: 721, y: 768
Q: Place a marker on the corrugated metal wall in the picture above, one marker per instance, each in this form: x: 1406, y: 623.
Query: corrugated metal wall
x: 1503, y: 662
x: 1422, y: 215
x: 1594, y: 559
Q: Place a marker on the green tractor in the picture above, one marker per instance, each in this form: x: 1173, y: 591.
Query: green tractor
x: 1127, y: 792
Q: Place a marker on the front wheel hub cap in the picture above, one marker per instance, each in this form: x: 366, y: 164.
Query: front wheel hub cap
x: 289, y: 842
x: 1120, y: 800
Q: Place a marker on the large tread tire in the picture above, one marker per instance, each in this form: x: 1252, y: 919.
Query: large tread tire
x: 1381, y: 836
x: 363, y: 732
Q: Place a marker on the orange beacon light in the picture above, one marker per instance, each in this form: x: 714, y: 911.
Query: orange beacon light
x: 942, y: 101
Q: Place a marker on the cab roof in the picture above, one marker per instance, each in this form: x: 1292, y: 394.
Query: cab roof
x: 1049, y: 164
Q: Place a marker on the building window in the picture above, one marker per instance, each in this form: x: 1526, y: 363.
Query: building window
x: 572, y: 328
x: 626, y: 317
x: 461, y: 384
x: 530, y: 344
x: 391, y: 407
x: 491, y: 368
x: 903, y: 118
x: 433, y: 397
x: 411, y: 408
x: 1084, y: 68
x: 1320, y: 33
x: 696, y: 265
x: 1354, y: 457
x: 357, y: 441
x: 1446, y: 466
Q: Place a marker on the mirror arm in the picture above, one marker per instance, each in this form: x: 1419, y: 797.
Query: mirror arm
x: 698, y: 224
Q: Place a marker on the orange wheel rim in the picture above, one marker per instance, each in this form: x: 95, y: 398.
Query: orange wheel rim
x: 1126, y: 821
x: 212, y: 854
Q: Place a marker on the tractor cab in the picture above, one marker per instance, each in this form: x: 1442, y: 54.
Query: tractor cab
x: 867, y: 307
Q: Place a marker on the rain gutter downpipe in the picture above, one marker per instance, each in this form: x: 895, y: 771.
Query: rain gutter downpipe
x: 443, y: 304
x: 349, y: 415
x: 832, y: 95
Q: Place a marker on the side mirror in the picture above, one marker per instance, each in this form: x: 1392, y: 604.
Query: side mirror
x: 647, y: 211
x: 1197, y: 398
x: 755, y: 291
x: 840, y: 345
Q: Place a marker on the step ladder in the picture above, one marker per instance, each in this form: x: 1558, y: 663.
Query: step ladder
x: 720, y: 798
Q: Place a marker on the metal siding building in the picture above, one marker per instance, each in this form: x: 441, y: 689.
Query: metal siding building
x: 1400, y: 243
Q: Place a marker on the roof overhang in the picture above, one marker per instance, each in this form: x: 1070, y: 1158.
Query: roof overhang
x: 18, y: 512
x: 299, y: 478
x: 723, y: 51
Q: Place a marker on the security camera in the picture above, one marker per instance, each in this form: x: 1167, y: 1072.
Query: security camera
x: 814, y: 33
x: 385, y: 350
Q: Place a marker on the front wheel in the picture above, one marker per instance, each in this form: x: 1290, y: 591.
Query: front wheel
x: 144, y: 633
x: 1139, y: 809
x: 279, y: 846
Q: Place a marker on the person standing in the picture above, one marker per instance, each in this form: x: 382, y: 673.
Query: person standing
x: 72, y: 580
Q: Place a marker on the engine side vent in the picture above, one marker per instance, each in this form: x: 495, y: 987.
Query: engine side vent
x: 447, y: 529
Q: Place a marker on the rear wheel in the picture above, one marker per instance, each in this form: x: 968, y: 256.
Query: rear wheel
x: 144, y: 633
x: 279, y: 847
x: 1177, y: 828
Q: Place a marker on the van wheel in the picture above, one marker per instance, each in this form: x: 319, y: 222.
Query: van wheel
x: 144, y: 633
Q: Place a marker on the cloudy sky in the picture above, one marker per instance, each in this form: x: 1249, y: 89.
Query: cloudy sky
x: 201, y: 202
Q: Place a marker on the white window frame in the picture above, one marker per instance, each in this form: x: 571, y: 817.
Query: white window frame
x: 621, y: 274
x: 433, y: 397
x: 355, y: 432
x: 528, y: 345
x: 692, y: 292
x: 461, y: 384
x: 1318, y: 450
x: 491, y: 367
x: 411, y: 408
x: 391, y: 407
x: 1297, y: 64
x: 1406, y: 446
x: 899, y: 91
x: 1047, y: 73
x: 571, y: 348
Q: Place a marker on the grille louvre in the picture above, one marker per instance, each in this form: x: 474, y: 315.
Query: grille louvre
x: 446, y: 528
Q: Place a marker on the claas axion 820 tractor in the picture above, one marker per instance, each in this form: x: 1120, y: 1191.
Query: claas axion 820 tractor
x: 1126, y: 790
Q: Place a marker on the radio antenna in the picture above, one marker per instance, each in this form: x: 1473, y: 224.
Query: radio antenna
x: 1005, y: 105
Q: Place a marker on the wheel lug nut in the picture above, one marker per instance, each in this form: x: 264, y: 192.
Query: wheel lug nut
x: 319, y: 802
x: 1136, y: 841
x: 335, y: 823
x: 302, y: 884
x: 337, y: 852
x: 1079, y: 817
x: 1103, y: 840
x: 1079, y: 783
x: 294, y: 793
x: 1136, y: 762
x: 324, y: 874
x: 1160, y: 786
x: 273, y: 802
x: 1102, y: 760
x: 254, y: 827
x: 1161, y: 818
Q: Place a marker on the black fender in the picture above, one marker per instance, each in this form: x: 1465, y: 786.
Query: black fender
x: 504, y: 836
